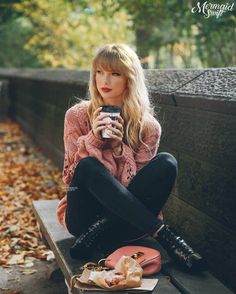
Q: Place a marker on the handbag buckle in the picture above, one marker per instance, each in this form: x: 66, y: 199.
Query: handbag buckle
x: 136, y: 255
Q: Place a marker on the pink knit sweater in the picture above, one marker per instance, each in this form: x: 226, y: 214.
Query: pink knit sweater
x: 80, y: 142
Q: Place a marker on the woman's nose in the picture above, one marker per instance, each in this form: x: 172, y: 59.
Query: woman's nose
x: 106, y: 79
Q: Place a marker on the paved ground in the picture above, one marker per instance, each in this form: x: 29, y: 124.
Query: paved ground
x: 45, y: 281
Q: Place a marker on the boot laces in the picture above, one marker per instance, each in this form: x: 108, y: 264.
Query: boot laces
x: 93, y: 232
x: 177, y: 243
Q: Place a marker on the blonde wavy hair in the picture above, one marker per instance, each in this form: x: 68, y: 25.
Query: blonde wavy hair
x: 136, y: 108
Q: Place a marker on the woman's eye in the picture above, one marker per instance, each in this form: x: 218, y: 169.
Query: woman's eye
x: 116, y: 74
x: 98, y: 71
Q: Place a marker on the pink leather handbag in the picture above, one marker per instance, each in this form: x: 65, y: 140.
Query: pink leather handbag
x: 148, y: 258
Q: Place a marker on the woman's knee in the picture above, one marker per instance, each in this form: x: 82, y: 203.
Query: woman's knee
x: 72, y: 226
x: 168, y: 162
x: 74, y: 230
x: 87, y: 163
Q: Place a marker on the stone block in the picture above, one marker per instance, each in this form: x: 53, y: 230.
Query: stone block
x: 170, y: 80
x: 218, y: 84
x: 209, y: 188
x: 4, y: 99
x: 203, y: 135
x: 209, y: 237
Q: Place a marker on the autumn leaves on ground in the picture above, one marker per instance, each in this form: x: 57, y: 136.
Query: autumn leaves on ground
x: 25, y: 175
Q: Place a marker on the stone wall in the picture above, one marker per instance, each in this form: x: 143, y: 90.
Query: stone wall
x: 4, y: 99
x: 196, y: 109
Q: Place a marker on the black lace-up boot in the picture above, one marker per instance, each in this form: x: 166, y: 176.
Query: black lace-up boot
x: 180, y: 250
x: 85, y: 243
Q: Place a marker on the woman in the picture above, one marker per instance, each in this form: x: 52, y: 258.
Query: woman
x: 117, y: 184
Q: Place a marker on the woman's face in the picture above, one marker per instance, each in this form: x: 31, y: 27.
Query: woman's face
x: 110, y: 85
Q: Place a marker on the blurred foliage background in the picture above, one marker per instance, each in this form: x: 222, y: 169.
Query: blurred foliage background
x: 66, y: 33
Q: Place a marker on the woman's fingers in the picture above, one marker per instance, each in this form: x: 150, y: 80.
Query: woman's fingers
x: 101, y: 122
x: 98, y: 124
x: 115, y: 137
x: 102, y: 116
x: 100, y: 128
x: 99, y: 116
x: 117, y: 125
x: 102, y: 119
x: 115, y: 132
x: 120, y: 119
x: 114, y: 127
x: 96, y: 112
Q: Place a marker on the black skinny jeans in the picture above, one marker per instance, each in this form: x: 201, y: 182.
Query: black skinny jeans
x: 94, y: 192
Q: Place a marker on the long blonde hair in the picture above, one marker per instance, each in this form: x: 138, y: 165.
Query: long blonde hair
x: 136, y: 109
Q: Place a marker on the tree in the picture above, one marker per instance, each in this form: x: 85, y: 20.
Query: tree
x: 13, y: 36
x: 65, y: 34
x: 170, y: 31
x: 215, y: 40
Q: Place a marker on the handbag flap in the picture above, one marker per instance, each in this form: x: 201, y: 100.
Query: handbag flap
x: 143, y: 255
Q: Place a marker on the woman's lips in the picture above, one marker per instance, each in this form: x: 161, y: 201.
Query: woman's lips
x: 105, y: 89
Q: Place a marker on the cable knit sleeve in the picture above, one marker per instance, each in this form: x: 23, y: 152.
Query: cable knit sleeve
x: 77, y: 143
x: 129, y: 163
x: 149, y: 148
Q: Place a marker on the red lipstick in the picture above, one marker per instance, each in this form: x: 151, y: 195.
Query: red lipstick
x: 105, y: 89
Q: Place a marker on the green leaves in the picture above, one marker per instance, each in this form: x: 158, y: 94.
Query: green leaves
x: 63, y: 33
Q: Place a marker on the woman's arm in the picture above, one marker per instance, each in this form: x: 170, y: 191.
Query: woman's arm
x: 148, y: 150
x: 77, y: 143
x: 128, y: 163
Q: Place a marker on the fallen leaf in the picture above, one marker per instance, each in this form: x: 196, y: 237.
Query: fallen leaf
x: 25, y: 175
x: 50, y: 255
x: 27, y: 264
x: 29, y: 272
x: 16, y: 259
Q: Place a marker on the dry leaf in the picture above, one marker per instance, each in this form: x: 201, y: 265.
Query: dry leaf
x: 50, y: 255
x: 27, y: 264
x: 25, y: 175
x: 29, y: 272
x: 16, y: 259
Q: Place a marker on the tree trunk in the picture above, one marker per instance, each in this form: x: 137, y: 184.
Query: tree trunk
x: 171, y: 62
x: 142, y: 40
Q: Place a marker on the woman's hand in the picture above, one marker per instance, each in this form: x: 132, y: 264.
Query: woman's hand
x: 116, y: 132
x: 99, y: 123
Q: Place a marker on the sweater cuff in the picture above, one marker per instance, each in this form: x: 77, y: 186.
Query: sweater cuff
x: 126, y: 153
x: 94, y: 141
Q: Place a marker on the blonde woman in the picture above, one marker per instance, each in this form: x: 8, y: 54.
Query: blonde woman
x: 117, y: 184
